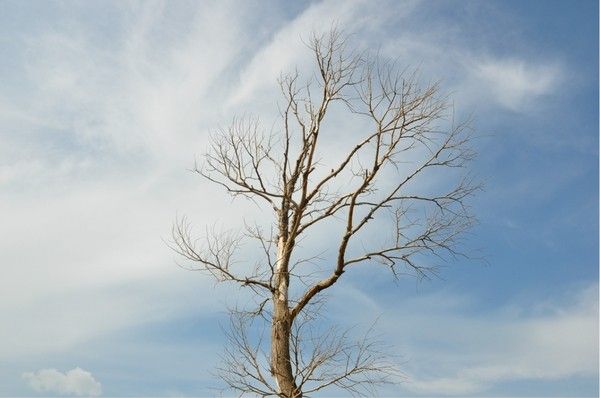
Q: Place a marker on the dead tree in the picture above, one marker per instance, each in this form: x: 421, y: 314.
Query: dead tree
x: 411, y: 138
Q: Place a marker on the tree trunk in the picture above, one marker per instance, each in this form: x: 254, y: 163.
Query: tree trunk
x: 280, y: 351
x: 281, y: 326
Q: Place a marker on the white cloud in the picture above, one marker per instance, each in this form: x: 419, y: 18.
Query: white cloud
x: 99, y: 263
x: 286, y: 51
x: 479, y: 81
x: 93, y: 160
x: 449, y: 349
x: 149, y: 94
x: 516, y: 83
x: 77, y: 382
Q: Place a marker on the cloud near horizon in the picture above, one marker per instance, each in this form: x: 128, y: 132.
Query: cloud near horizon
x: 541, y: 340
x: 75, y: 382
x: 475, y: 352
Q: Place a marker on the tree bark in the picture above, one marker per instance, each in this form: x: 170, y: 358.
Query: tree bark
x: 281, y: 326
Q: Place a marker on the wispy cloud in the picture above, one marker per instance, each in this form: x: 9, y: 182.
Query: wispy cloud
x: 473, y: 352
x: 77, y: 382
x: 446, y: 346
x: 286, y: 50
x: 515, y: 83
x: 100, y: 146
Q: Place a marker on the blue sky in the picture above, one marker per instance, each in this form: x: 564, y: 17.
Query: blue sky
x: 104, y: 106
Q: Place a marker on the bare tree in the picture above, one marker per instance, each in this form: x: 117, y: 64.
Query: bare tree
x: 411, y: 138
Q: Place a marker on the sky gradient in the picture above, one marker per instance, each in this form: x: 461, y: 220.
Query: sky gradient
x: 104, y: 106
